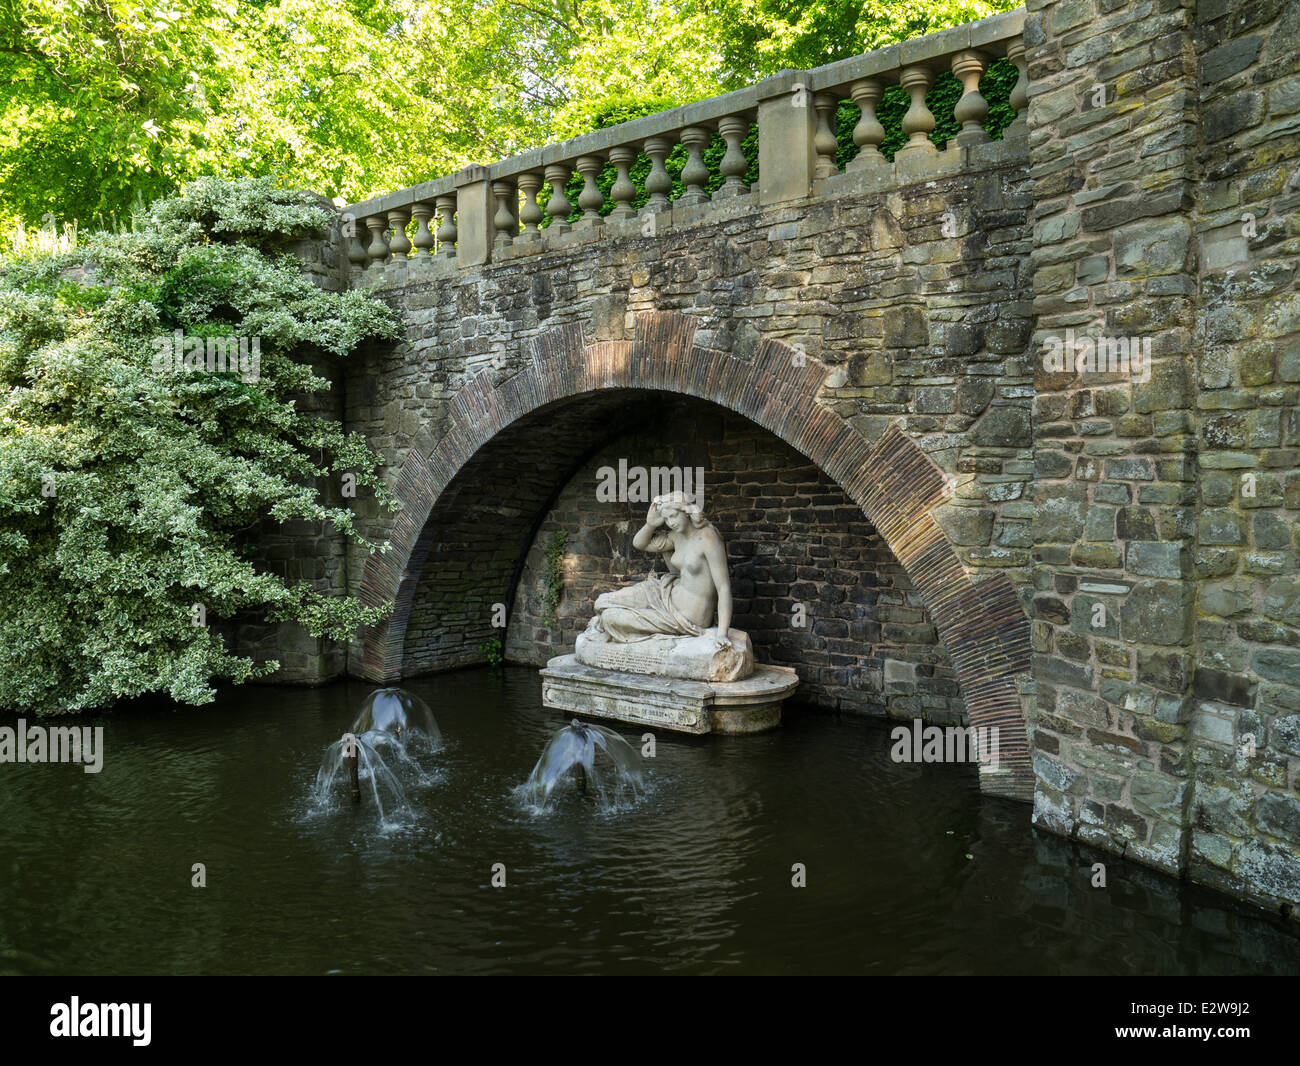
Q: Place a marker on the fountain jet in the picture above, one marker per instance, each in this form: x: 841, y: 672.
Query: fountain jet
x: 400, y: 714
x: 603, y: 764
x: 377, y: 752
x: 354, y: 760
x: 350, y: 753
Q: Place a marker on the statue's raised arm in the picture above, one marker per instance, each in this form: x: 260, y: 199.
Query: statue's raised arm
x: 653, y: 536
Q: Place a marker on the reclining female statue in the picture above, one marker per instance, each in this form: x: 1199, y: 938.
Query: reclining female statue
x: 682, y: 602
x: 646, y: 639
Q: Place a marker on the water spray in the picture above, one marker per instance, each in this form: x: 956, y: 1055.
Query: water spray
x: 603, y: 766
x: 373, y: 754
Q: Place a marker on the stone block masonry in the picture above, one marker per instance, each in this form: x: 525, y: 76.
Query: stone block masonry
x: 825, y: 277
x: 1165, y: 142
x: 1245, y: 792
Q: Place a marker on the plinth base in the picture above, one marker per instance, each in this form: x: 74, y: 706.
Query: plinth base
x: 699, y: 658
x: 748, y: 706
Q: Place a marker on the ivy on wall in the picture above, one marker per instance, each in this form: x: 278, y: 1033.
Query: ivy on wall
x: 555, y: 548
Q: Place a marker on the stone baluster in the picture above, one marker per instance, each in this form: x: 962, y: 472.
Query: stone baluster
x: 530, y: 214
x: 734, y: 164
x: 591, y: 200
x: 378, y: 248
x: 447, y: 225
x: 918, y: 121
x: 399, y: 245
x: 972, y: 108
x: 423, y: 239
x: 356, y: 247
x: 868, y: 134
x: 824, y: 139
x: 558, y: 206
x: 1019, y: 99
x: 694, y: 173
x: 503, y: 221
x: 623, y: 191
x: 658, y: 183
x: 357, y: 253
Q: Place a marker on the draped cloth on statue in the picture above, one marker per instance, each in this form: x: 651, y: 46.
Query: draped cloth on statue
x: 642, y: 611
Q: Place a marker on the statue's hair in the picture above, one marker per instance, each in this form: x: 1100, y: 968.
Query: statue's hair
x: 684, y: 502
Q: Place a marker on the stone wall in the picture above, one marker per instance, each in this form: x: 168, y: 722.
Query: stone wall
x: 570, y: 392
x: 921, y: 329
x: 1165, y: 544
x: 813, y: 583
x: 1112, y: 142
x: 1245, y: 804
x: 482, y: 525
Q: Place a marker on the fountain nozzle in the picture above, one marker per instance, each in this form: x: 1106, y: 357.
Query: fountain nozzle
x: 351, y: 754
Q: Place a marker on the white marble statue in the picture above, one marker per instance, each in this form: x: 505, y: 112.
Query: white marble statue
x: 676, y: 624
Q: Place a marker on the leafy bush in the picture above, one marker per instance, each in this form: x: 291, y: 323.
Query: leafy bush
x: 493, y: 651
x: 129, y: 494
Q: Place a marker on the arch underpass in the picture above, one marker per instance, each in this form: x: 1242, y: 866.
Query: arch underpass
x: 497, y: 432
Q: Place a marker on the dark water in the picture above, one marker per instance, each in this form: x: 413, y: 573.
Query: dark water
x: 909, y: 870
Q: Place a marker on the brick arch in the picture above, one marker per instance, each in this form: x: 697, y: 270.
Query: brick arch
x: 982, y: 624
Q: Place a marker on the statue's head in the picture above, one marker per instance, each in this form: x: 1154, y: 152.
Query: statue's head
x: 678, y: 508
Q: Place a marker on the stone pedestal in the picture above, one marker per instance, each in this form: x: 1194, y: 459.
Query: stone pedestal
x: 748, y: 706
x: 702, y: 658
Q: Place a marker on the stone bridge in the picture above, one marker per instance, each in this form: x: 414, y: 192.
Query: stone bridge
x: 1004, y: 432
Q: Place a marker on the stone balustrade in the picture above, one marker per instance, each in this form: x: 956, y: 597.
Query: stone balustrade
x: 487, y: 213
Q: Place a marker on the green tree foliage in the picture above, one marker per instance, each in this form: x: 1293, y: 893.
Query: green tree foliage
x: 104, y: 101
x: 100, y: 101
x: 129, y: 491
x: 761, y: 37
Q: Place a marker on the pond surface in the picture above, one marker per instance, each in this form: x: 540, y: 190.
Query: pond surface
x: 909, y: 870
